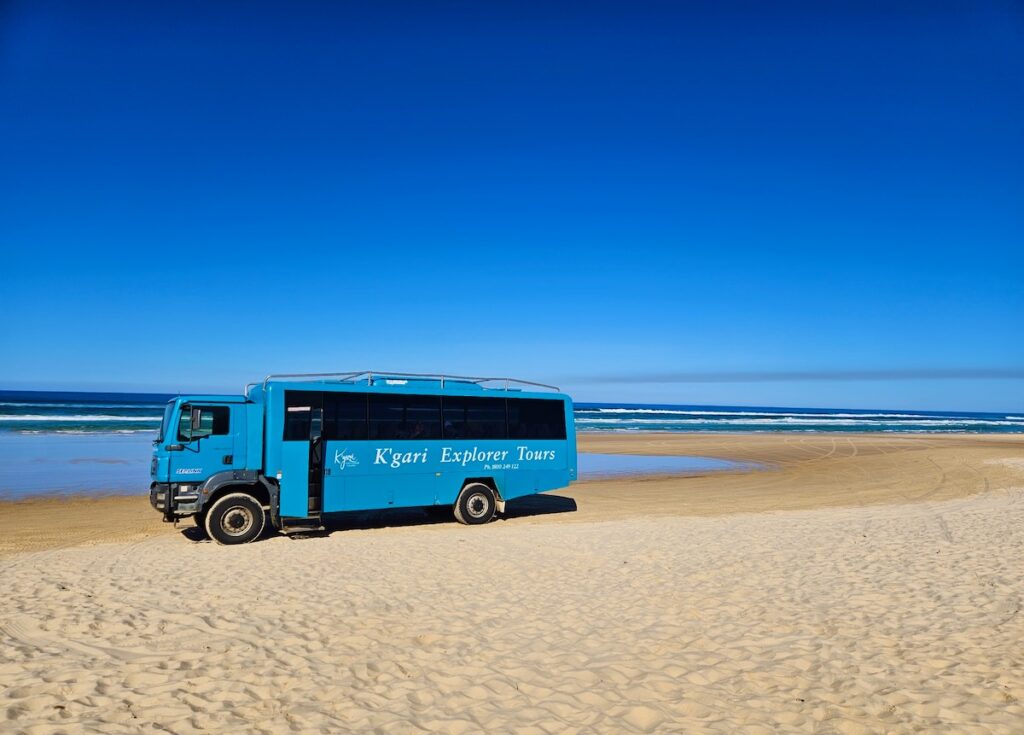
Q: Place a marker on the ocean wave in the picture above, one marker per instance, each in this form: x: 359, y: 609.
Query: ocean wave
x: 683, y: 412
x: 20, y: 404
x: 793, y: 430
x: 90, y: 432
x: 801, y: 421
x: 78, y: 418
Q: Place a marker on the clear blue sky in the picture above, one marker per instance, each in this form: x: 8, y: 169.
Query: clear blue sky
x: 818, y: 202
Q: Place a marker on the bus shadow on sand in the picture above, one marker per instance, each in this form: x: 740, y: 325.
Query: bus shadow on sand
x: 526, y: 507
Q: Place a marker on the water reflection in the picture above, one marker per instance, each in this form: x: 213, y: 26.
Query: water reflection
x: 593, y: 466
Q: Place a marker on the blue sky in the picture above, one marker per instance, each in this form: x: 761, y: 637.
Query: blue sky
x: 616, y: 197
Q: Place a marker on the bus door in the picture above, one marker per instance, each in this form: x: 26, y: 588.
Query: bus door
x: 206, y: 440
x: 302, y: 467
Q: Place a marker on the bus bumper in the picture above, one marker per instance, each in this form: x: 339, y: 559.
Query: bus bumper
x: 172, y: 502
x: 160, y: 499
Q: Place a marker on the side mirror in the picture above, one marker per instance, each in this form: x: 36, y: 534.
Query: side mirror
x: 193, y: 432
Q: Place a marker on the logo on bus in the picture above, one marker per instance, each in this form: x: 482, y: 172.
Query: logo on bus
x: 344, y: 460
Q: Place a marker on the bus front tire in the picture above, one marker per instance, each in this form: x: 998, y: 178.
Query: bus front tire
x: 237, y: 518
x: 476, y: 504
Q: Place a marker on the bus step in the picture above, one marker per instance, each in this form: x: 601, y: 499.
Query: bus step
x: 301, y: 532
x: 301, y: 525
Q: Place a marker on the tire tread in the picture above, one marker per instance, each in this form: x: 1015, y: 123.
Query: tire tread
x: 471, y: 487
x: 232, y: 497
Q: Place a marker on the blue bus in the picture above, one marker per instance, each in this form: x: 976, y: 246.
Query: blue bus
x: 297, y: 447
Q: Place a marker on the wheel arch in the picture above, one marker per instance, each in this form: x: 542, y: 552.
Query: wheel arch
x: 488, y: 481
x: 225, y: 483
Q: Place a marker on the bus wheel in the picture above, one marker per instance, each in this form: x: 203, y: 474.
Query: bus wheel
x: 476, y: 504
x: 237, y: 518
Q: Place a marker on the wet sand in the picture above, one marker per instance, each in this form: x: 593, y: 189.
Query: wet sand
x: 801, y: 471
x: 860, y: 584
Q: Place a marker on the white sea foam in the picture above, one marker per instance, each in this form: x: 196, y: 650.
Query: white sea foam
x: 76, y: 417
x: 94, y: 406
x: 86, y: 432
x: 684, y: 412
x: 800, y: 421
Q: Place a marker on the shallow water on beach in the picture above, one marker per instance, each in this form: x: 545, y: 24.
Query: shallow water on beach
x: 72, y: 464
x: 595, y: 466
x: 67, y: 464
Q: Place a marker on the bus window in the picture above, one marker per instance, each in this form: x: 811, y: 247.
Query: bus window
x: 474, y: 418
x: 405, y: 416
x: 298, y: 412
x: 212, y: 420
x: 536, y: 418
x: 345, y: 416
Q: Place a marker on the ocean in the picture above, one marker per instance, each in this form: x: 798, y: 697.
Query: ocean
x: 95, y: 443
x: 634, y: 417
x: 32, y: 412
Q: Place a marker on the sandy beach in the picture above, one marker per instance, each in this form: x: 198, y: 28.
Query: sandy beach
x: 857, y: 584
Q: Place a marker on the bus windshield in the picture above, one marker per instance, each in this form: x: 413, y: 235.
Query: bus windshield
x: 164, y: 423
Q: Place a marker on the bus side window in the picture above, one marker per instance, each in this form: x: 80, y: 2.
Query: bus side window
x: 469, y: 417
x: 385, y: 416
x: 398, y: 416
x: 298, y: 413
x: 345, y: 416
x: 453, y: 411
x: 211, y: 420
x: 536, y: 418
x: 422, y: 417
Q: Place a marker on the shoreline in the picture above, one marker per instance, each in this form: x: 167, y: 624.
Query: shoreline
x: 791, y: 471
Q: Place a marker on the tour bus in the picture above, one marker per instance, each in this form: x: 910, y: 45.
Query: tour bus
x: 296, y: 447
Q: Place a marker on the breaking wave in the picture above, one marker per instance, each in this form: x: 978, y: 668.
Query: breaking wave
x: 79, y: 413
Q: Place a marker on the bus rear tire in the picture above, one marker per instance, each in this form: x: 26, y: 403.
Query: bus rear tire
x: 476, y: 504
x: 236, y: 518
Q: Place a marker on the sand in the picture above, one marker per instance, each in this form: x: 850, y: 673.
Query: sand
x: 862, y: 585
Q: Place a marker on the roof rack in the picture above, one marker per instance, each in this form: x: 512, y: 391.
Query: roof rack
x: 371, y: 374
